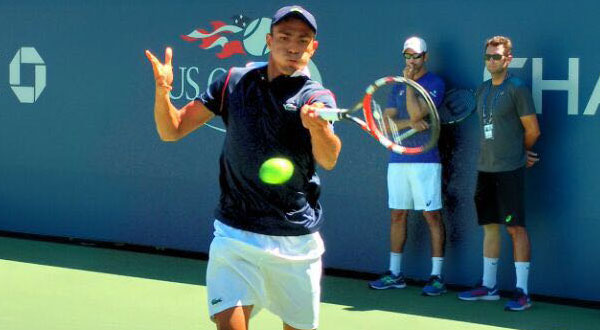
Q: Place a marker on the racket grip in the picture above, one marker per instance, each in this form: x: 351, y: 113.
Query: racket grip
x: 325, y: 113
x: 407, y: 134
x: 330, y: 114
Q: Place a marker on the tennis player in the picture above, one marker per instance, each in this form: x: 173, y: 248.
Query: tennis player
x: 414, y: 181
x: 267, y: 250
x: 508, y: 131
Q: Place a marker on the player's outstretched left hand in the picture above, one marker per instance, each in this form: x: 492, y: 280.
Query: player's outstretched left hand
x: 163, y: 72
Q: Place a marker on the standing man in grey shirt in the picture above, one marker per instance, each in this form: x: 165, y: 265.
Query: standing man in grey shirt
x: 508, y: 130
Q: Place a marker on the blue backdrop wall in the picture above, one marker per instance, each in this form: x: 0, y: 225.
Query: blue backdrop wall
x: 80, y: 157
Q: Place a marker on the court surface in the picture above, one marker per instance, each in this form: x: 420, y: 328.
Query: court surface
x: 54, y: 286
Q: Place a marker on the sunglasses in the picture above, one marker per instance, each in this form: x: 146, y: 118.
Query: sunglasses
x: 413, y: 56
x: 495, y: 57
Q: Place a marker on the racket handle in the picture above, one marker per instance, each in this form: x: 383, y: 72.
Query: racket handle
x: 330, y: 114
x: 325, y: 113
x: 406, y: 134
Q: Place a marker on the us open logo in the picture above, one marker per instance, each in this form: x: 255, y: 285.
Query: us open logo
x: 243, y: 37
x: 240, y: 37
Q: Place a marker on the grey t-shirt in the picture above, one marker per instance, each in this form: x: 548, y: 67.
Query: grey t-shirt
x: 503, y: 107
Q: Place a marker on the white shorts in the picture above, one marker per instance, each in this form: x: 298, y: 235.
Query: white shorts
x: 415, y: 186
x: 279, y: 273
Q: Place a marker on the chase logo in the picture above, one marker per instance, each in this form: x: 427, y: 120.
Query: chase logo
x: 27, y: 94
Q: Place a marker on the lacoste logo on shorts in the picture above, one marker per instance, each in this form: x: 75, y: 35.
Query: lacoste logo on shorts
x: 216, y: 301
x: 508, y: 218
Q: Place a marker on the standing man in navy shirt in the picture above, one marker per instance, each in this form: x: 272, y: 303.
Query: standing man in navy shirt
x: 414, y: 181
x: 267, y: 250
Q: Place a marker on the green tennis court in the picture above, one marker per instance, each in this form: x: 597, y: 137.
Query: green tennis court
x: 54, y: 286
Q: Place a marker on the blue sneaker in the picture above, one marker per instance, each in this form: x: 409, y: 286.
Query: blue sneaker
x: 434, y: 287
x: 480, y: 292
x: 519, y: 302
x: 388, y: 281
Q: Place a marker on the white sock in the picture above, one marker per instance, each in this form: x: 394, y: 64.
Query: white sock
x: 436, y: 266
x: 522, y: 269
x: 395, y: 263
x: 490, y: 268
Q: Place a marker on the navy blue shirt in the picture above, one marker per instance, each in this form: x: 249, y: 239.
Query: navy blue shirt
x: 258, y: 128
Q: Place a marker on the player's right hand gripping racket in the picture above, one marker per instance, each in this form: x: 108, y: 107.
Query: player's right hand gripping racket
x: 395, y: 134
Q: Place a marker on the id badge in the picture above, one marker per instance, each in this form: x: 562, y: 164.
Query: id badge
x: 488, y: 131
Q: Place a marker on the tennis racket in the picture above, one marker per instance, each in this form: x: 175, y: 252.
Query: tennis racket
x: 395, y: 135
x: 458, y: 104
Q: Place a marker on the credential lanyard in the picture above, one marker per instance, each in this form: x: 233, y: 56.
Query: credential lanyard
x: 488, y: 117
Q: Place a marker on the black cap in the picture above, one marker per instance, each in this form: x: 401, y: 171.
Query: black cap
x: 297, y: 11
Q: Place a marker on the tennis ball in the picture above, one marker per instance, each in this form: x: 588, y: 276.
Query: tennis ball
x: 276, y: 170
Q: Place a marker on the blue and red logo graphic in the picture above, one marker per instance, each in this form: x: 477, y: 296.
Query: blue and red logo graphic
x: 244, y: 37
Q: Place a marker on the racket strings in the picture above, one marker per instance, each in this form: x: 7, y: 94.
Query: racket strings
x: 458, y: 104
x: 387, y: 125
x: 397, y: 127
x: 390, y: 119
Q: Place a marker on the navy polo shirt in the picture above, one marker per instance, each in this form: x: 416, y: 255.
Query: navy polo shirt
x: 258, y: 128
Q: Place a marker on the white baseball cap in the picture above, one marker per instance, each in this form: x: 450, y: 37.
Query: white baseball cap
x: 417, y: 44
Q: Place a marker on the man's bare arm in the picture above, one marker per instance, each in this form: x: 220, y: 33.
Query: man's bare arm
x: 173, y: 124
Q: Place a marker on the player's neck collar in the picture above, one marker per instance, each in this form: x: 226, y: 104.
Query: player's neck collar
x: 304, y: 72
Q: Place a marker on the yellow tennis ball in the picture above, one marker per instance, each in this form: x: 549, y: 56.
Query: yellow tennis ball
x: 276, y: 170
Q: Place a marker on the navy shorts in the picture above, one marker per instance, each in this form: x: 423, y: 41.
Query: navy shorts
x: 500, y: 197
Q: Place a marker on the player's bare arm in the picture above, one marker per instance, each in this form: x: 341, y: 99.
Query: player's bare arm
x: 415, y: 106
x: 419, y: 125
x: 173, y: 124
x: 531, y: 135
x: 417, y: 109
x: 326, y: 145
x: 389, y: 114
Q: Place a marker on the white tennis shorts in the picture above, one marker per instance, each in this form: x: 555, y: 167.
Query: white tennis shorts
x: 415, y: 186
x: 279, y: 273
